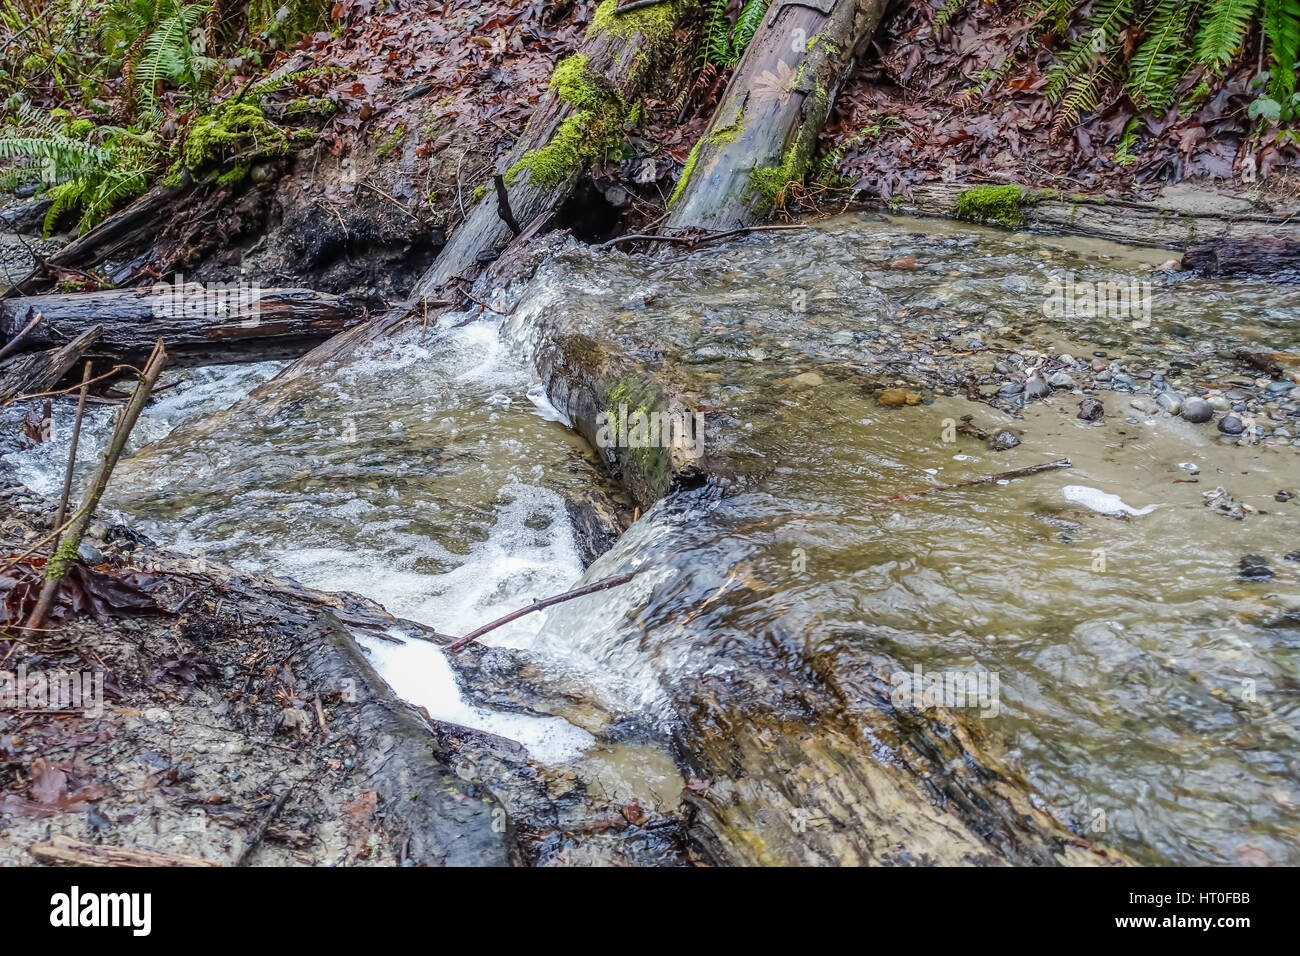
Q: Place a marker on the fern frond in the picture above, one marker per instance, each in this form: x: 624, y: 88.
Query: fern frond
x: 717, y: 34
x: 1162, y: 59
x: 1222, y: 31
x: 949, y: 10
x: 747, y: 24
x: 1086, y: 54
x: 1282, y: 30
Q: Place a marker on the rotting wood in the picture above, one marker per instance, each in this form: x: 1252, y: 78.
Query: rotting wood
x: 38, y: 371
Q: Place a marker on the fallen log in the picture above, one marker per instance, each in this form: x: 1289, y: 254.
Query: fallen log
x: 39, y: 371
x: 198, y: 323
x: 1175, y: 219
x: 1274, y: 257
x: 591, y: 95
x: 765, y: 130
x: 121, y: 235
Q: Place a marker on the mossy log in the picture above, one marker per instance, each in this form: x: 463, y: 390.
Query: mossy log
x: 765, y: 130
x: 579, y: 119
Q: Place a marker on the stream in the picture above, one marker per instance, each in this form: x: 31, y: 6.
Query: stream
x: 1146, y: 689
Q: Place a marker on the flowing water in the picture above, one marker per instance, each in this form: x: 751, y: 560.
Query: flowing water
x: 1146, y: 690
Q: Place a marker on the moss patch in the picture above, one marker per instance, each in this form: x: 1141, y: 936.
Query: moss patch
x: 591, y: 131
x: 999, y: 205
x: 769, y: 182
x: 232, y: 129
x: 655, y: 23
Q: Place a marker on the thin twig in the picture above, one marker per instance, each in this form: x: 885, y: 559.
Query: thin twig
x: 72, y: 388
x: 59, y: 561
x: 601, y: 585
x: 72, y: 451
x: 252, y: 841
x: 693, y: 241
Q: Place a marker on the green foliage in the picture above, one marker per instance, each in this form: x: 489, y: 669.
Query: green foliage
x: 1170, y: 41
x: 87, y: 170
x: 1223, y: 30
x: 1162, y: 59
x: 724, y: 43
x: 1282, y: 28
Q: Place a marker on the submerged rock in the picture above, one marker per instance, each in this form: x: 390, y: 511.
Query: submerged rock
x: 1091, y: 410
x: 1255, y: 567
x: 1231, y: 425
x: 1197, y: 411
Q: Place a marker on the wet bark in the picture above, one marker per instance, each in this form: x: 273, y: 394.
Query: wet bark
x: 764, y: 132
x: 1277, y: 258
x: 618, y: 50
x: 194, y: 323
x: 40, y: 371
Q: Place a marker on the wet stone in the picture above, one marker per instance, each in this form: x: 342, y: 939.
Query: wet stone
x: 1255, y: 567
x: 1197, y: 410
x: 1231, y: 425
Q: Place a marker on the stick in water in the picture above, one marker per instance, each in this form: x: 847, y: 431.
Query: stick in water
x: 72, y: 451
x: 601, y: 585
x: 66, y: 552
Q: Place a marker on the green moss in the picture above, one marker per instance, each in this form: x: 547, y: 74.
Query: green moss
x: 769, y: 182
x: 1000, y: 205
x: 655, y: 23
x: 594, y: 129
x: 232, y: 129
x: 479, y: 193
x: 687, y: 170
x: 59, y: 561
x: 392, y: 141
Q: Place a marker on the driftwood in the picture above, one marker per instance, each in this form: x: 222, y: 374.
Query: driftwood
x: 63, y: 850
x: 1274, y: 257
x: 764, y: 132
x: 38, y: 371
x: 194, y: 322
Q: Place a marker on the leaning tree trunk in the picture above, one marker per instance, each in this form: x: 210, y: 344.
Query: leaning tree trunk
x: 764, y: 132
x: 591, y: 96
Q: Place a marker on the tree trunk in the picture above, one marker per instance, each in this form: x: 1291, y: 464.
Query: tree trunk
x: 581, y: 115
x: 193, y: 322
x: 765, y: 130
x: 41, y: 371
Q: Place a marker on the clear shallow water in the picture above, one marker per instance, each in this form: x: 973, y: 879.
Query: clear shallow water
x: 425, y: 476
x: 1128, y: 651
